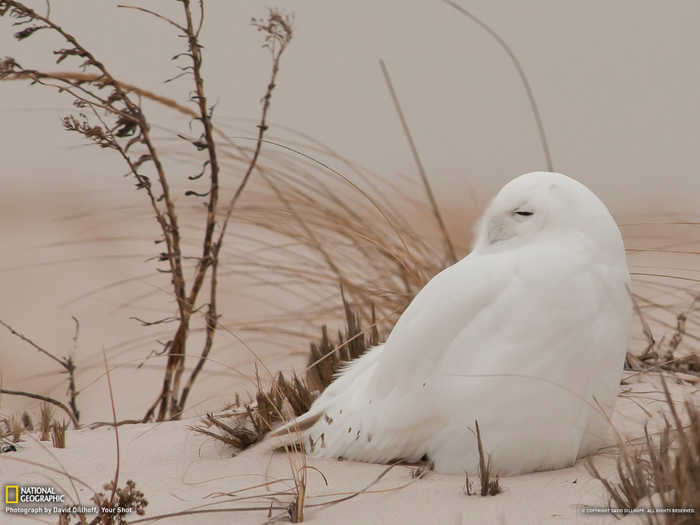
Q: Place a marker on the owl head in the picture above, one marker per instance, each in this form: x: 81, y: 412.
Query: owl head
x: 546, y: 206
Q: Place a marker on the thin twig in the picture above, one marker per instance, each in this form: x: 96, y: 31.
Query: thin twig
x: 60, y: 405
x: 521, y: 74
x: 421, y: 170
x: 33, y: 344
x: 116, y: 430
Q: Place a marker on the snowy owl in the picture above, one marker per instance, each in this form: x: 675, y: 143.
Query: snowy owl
x: 527, y: 335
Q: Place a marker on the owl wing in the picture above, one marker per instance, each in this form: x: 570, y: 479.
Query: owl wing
x: 531, y: 367
x: 437, y: 315
x: 373, y: 411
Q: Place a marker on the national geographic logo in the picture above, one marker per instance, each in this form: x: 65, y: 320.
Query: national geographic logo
x: 11, y: 494
x: 16, y: 494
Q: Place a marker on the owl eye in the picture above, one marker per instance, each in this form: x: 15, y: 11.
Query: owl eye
x: 524, y: 213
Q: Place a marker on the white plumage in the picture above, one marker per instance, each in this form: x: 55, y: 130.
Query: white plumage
x: 527, y: 335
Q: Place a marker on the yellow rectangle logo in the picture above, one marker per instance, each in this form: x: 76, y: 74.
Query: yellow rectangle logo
x: 11, y: 499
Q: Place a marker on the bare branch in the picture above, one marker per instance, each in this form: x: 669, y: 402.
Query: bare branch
x: 33, y: 344
x: 279, y: 32
x: 153, y: 13
x: 60, y: 405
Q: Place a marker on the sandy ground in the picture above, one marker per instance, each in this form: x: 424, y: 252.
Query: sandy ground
x: 179, y: 470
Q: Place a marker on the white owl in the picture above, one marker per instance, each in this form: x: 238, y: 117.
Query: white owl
x: 527, y: 335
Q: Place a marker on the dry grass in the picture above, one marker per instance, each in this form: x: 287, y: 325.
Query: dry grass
x: 58, y: 434
x: 45, y: 421
x: 242, y: 425
x: 666, y: 353
x: 16, y: 429
x: 11, y: 427
x: 663, y: 473
x: 27, y: 421
x: 488, y: 482
x: 110, y: 116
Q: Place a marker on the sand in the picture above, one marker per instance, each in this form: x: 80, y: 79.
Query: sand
x: 179, y: 470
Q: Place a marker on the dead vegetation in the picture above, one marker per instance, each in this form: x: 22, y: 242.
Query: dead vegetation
x: 127, y: 497
x: 27, y: 421
x: 127, y: 503
x: 45, y: 421
x: 242, y: 425
x: 666, y: 353
x: 489, y: 482
x: 66, y: 363
x: 661, y: 474
x: 110, y: 116
x: 58, y: 434
x: 11, y: 428
x: 49, y: 429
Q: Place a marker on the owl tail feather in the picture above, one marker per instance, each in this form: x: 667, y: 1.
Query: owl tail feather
x: 292, y: 433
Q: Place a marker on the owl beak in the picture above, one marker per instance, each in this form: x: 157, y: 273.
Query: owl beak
x: 498, y: 231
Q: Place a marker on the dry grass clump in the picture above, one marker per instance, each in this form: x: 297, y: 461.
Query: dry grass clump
x: 666, y: 352
x: 326, y: 357
x: 662, y: 474
x: 11, y: 431
x: 14, y: 428
x: 58, y: 434
x: 488, y: 482
x: 45, y: 421
x: 27, y: 421
x: 49, y: 428
x: 240, y: 426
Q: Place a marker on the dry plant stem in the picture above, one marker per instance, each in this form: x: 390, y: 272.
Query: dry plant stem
x: 66, y: 363
x: 424, y: 177
x: 84, y: 77
x: 169, y: 226
x: 663, y: 472
x: 33, y: 344
x: 645, y: 326
x: 483, y: 473
x: 211, y: 315
x: 489, y: 487
x: 273, y: 507
x: 521, y: 74
x: 116, y: 429
x: 90, y: 77
x: 60, y: 405
x: 70, y: 366
x: 46, y: 419
x: 130, y: 120
x: 169, y: 402
x: 58, y: 434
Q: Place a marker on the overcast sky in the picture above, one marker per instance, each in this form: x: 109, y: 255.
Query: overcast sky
x: 617, y: 83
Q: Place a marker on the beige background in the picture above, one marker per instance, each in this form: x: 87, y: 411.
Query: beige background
x: 616, y: 82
